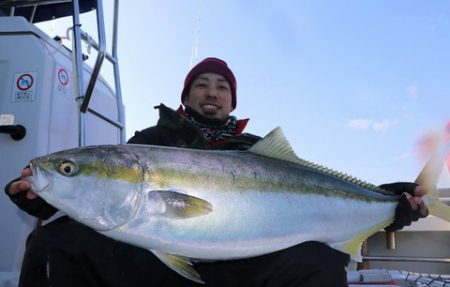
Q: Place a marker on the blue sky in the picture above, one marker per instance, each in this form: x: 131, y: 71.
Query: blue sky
x: 354, y: 84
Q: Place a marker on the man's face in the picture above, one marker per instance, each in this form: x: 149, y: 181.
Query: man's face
x: 210, y: 96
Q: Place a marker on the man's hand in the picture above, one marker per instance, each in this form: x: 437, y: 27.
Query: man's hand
x: 410, y: 207
x: 19, y: 191
x: 21, y: 186
x: 416, y: 200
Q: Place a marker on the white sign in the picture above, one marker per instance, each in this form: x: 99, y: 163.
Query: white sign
x: 63, y: 77
x: 24, y: 87
x: 6, y: 119
x: 63, y: 82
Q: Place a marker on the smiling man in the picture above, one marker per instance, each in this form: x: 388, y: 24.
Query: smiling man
x: 210, y: 89
x: 208, y: 96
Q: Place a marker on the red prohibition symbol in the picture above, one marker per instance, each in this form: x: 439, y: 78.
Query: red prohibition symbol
x: 63, y: 76
x: 24, y: 82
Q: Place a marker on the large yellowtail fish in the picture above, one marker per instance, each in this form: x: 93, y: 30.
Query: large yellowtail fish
x: 191, y: 205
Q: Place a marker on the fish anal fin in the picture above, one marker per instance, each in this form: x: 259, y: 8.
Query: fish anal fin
x: 353, y: 246
x: 275, y: 145
x: 179, y: 264
x: 174, y: 204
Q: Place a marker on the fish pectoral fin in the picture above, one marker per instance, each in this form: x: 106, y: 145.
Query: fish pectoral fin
x: 174, y: 204
x: 179, y: 264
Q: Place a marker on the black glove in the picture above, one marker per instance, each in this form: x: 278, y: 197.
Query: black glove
x: 36, y: 207
x: 404, y: 214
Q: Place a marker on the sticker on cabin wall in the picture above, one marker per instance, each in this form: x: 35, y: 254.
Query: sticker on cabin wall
x: 6, y: 119
x: 24, y: 87
x: 62, y: 82
x: 63, y: 77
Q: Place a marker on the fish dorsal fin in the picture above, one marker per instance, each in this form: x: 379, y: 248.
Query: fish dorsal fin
x: 275, y: 145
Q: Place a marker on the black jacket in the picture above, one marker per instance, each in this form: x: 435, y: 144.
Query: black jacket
x: 175, y: 130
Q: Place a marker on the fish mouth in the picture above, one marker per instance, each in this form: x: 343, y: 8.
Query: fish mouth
x: 38, y: 180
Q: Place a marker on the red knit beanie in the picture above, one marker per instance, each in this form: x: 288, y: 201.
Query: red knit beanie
x: 211, y: 65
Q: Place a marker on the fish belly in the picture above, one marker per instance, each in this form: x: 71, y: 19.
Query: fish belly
x: 253, y: 223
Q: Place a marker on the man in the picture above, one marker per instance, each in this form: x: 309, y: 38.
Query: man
x: 66, y: 253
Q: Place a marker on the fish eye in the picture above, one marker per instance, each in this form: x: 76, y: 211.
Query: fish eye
x: 67, y: 168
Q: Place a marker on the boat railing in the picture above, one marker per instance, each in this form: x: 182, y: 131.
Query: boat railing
x: 83, y: 92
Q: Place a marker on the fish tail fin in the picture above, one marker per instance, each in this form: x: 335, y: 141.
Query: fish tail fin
x: 429, y: 177
x: 439, y: 209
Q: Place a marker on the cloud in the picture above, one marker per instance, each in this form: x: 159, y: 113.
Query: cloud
x: 381, y: 126
x: 359, y: 124
x: 366, y: 124
x: 402, y: 157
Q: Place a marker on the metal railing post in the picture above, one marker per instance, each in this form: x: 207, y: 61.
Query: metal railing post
x: 78, y: 68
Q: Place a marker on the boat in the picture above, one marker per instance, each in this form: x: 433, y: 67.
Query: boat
x: 51, y: 99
